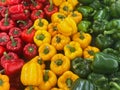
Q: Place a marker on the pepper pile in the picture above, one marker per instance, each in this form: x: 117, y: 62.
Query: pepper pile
x: 59, y: 45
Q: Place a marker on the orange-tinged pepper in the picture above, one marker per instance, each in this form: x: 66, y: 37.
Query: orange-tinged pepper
x: 55, y: 88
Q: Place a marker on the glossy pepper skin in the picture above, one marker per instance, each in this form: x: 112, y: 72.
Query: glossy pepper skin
x: 15, y: 32
x: 46, y: 51
x: 59, y: 41
x: 58, y: 62
x: 13, y: 2
x: 3, y: 2
x: 30, y: 51
x: 49, y: 80
x: 35, y: 5
x: 73, y: 50
x: 41, y: 36
x: 100, y: 60
x: 50, y: 9
x: 81, y: 67
x: 33, y: 72
x: 4, y: 38
x: 4, y: 85
x: 28, y: 34
x: 2, y: 50
x: 66, y: 80
x: 83, y: 84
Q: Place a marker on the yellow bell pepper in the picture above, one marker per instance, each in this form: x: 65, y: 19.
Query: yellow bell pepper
x: 59, y: 64
x: 73, y: 50
x: 46, y: 51
x: 59, y: 41
x: 4, y: 82
x: 41, y: 36
x: 31, y: 88
x: 58, y: 2
x: 67, y: 27
x: 31, y: 74
x: 76, y: 16
x: 83, y: 38
x: 40, y: 24
x: 56, y: 88
x: 39, y: 60
x: 49, y: 80
x: 73, y: 2
x: 66, y: 79
x: 57, y: 17
x: 66, y: 8
x: 89, y: 52
x: 53, y: 29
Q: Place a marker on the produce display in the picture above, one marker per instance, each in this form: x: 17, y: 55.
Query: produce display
x: 59, y: 44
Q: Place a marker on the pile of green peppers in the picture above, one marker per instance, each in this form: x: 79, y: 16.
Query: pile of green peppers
x: 101, y: 18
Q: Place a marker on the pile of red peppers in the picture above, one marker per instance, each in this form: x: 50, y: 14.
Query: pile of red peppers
x: 16, y: 34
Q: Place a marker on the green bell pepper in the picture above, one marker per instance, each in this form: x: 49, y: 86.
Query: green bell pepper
x: 83, y: 84
x: 81, y: 67
x: 86, y: 1
x: 103, y: 41
x: 117, y: 45
x: 84, y: 26
x: 104, y: 63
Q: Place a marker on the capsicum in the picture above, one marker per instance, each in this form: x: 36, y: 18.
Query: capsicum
x: 41, y: 36
x: 29, y: 51
x: 73, y: 50
x: 2, y: 50
x: 49, y: 80
x: 35, y: 5
x: 12, y: 2
x: 46, y: 51
x: 58, y: 62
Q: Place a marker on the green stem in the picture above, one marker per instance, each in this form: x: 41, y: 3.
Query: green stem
x: 34, y: 3
x: 46, y: 50
x: 55, y: 28
x: 40, y: 61
x: 6, y: 55
x: 115, y: 85
x: 69, y: 82
x: 30, y: 30
x: 23, y: 22
x: 38, y: 12
x: 61, y: 16
x: 6, y: 22
x: 46, y: 76
x: 72, y: 49
x: 91, y: 52
x: 59, y: 62
x: 40, y: 22
x: 31, y: 87
x: 81, y: 35
x: 14, y: 43
x: 30, y: 49
x: 65, y: 8
x: 40, y: 37
x: 51, y: 6
x: 2, y: 71
x: 1, y: 82
x: 58, y: 39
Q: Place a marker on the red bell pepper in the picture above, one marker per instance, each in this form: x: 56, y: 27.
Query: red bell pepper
x: 2, y: 50
x: 14, y: 45
x: 35, y: 5
x: 26, y: 4
x: 50, y: 9
x: 15, y: 32
x: 30, y: 51
x: 2, y: 9
x: 4, y: 38
x: 6, y: 23
x: 24, y: 24
x: 18, y: 12
x: 3, y: 2
x: 37, y: 14
x: 28, y: 34
x: 13, y: 2
x: 42, y: 1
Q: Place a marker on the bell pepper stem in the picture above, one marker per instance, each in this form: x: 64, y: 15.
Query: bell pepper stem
x: 6, y: 22
x: 39, y: 61
x: 40, y: 37
x: 110, y: 31
x: 81, y: 35
x: 59, y: 62
x: 91, y: 52
x: 38, y: 12
x: 30, y: 49
x: 14, y: 43
x: 46, y: 76
x: 40, y: 22
x: 58, y: 39
x: 6, y: 55
x: 114, y: 84
x: 31, y: 87
x: 72, y: 49
x: 21, y: 21
x: 69, y: 82
x: 1, y: 82
x: 2, y: 71
x: 30, y: 30
x: 34, y: 3
x: 46, y: 50
x: 51, y: 6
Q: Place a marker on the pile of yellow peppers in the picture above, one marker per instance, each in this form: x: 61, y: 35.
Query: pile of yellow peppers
x: 58, y: 43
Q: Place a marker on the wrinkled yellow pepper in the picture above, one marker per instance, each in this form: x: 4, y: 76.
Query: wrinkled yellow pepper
x: 67, y: 27
x: 66, y: 80
x: 4, y: 82
x: 59, y: 41
x: 90, y: 51
x: 40, y: 24
x: 59, y: 64
x: 66, y: 8
x: 31, y: 88
x: 31, y: 74
x: 58, y: 2
x: 49, y: 80
x: 57, y: 17
x: 76, y: 16
x: 39, y: 60
x: 41, y: 36
x: 46, y: 51
x: 83, y: 38
x: 73, y: 50
x: 56, y: 88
